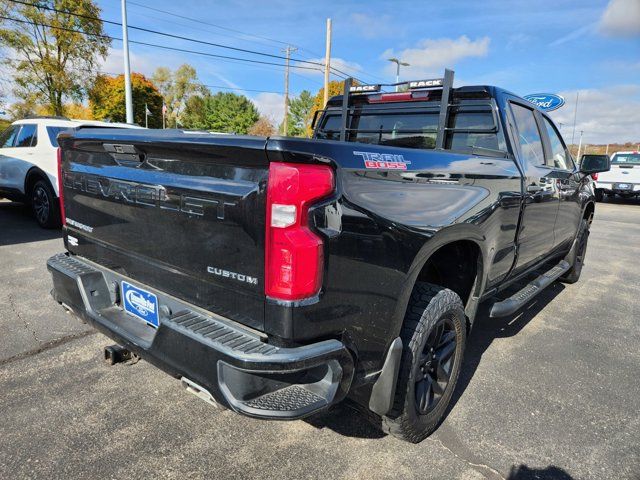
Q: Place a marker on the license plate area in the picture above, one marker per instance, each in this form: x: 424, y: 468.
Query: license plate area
x: 140, y: 303
x: 622, y: 186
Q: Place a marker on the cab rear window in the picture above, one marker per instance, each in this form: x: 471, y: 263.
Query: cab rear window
x: 467, y: 128
x: 626, y: 159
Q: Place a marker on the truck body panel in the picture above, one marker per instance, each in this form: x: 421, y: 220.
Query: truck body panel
x: 183, y: 215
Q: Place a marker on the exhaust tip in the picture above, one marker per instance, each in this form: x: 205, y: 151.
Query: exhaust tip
x: 199, y: 391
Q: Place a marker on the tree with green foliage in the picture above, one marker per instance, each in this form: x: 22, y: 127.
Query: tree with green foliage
x: 225, y: 112
x: 194, y: 112
x: 57, y: 53
x: 177, y: 88
x: 107, y: 100
x: 299, y: 111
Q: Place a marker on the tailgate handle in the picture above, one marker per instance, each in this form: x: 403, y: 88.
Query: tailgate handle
x: 119, y: 148
x: 125, y: 154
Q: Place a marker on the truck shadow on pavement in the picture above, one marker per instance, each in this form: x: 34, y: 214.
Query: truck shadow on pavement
x: 342, y: 420
x: 486, y: 329
x: 17, y: 225
x: 523, y: 472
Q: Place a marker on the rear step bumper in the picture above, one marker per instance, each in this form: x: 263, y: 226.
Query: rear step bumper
x: 235, y: 365
x: 526, y: 294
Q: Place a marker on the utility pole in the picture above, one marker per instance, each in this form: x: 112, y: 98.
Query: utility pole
x: 287, y: 51
x: 607, y: 150
x: 575, y: 116
x: 127, y: 70
x: 327, y: 62
x: 579, y: 146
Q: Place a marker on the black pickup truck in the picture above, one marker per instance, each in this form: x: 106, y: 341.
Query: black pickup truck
x: 277, y: 276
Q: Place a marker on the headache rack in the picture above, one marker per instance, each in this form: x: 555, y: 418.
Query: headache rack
x: 444, y: 86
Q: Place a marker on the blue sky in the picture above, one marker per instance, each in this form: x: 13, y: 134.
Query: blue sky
x: 561, y: 46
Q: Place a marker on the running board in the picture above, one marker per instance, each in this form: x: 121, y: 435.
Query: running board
x: 522, y: 297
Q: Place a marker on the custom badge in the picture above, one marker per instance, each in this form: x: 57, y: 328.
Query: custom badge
x: 383, y: 161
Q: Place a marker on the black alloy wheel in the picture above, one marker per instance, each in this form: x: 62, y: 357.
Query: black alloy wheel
x: 577, y: 258
x: 433, y: 341
x: 44, y: 205
x: 41, y: 204
x: 435, y: 366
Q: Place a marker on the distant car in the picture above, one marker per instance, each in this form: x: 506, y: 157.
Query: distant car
x: 623, y: 179
x: 28, y: 166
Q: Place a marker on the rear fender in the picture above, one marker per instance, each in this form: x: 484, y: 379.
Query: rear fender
x: 466, y: 232
x: 35, y: 174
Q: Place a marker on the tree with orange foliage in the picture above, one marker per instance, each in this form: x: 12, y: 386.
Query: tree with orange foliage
x: 107, y: 100
x: 335, y: 88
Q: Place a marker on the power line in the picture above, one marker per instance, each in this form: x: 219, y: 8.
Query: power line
x: 170, y: 35
x: 113, y: 74
x: 164, y: 47
x: 311, y: 52
x: 206, y: 23
x: 166, y: 12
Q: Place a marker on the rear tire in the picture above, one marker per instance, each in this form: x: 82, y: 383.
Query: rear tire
x: 433, y: 337
x: 45, y: 205
x: 573, y: 275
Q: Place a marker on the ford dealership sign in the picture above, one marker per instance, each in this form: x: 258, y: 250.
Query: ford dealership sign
x: 545, y: 101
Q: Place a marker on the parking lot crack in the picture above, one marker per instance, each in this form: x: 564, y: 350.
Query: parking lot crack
x: 14, y: 309
x: 489, y: 472
x: 47, y: 346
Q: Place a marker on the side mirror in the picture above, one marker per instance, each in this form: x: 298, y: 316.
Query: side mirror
x: 594, y: 164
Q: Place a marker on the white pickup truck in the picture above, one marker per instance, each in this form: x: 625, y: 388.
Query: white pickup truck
x: 623, y: 179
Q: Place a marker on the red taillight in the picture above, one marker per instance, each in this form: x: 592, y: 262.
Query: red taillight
x: 594, y: 176
x: 60, y: 190
x: 293, y: 253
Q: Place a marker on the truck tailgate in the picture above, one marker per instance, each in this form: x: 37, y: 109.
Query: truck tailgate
x: 621, y: 174
x: 183, y: 213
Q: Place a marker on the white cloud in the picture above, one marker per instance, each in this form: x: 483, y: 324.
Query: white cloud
x: 621, y: 18
x: 518, y: 40
x: 373, y: 26
x: 431, y: 56
x: 114, y: 63
x: 573, y: 35
x: 270, y: 105
x: 608, y: 115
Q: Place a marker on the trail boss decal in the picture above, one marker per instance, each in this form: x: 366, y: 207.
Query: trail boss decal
x: 385, y: 161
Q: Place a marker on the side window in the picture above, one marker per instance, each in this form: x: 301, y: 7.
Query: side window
x: 559, y: 156
x: 27, y: 136
x: 481, y: 121
x: 8, y: 137
x: 53, y: 132
x: 528, y: 135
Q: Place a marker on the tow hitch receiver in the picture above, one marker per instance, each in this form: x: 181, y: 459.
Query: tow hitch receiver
x: 117, y: 354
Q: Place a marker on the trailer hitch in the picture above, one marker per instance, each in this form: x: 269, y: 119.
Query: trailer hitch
x: 118, y: 354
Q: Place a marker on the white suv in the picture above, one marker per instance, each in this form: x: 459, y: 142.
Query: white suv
x: 28, y: 163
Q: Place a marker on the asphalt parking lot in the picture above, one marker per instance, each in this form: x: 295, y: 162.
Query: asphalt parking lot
x: 551, y: 392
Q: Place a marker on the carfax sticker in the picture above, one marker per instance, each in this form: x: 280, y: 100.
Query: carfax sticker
x: 383, y: 161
